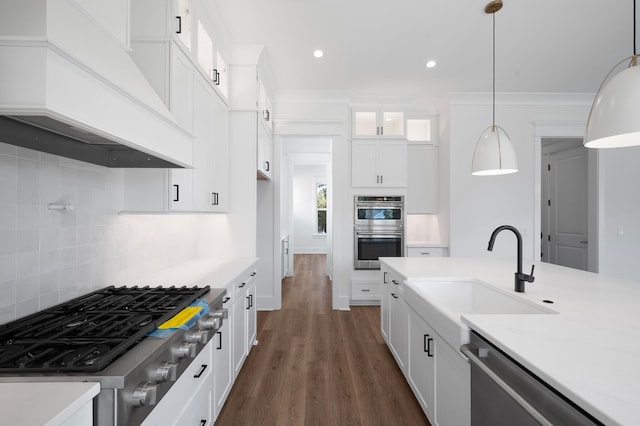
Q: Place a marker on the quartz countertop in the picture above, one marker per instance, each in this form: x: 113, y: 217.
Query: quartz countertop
x: 589, y: 351
x: 49, y: 403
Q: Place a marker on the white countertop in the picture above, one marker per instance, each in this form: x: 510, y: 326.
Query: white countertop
x: 201, y: 271
x: 589, y: 351
x: 43, y: 403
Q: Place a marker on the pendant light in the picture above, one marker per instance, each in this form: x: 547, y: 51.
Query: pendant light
x: 613, y: 120
x: 494, y: 153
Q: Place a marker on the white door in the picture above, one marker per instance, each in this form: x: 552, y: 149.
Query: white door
x: 567, y: 209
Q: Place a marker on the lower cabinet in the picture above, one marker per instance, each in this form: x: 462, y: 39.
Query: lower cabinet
x: 438, y: 375
x: 223, y: 368
x: 244, y: 319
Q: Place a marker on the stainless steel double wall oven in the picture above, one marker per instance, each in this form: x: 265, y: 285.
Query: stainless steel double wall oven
x: 378, y: 229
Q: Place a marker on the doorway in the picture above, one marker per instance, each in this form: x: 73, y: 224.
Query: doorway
x: 307, y: 221
x: 567, y: 216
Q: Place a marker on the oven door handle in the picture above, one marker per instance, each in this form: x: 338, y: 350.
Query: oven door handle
x: 471, y: 352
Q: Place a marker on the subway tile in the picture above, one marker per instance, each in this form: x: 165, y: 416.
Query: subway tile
x: 28, y: 217
x: 49, y: 300
x: 28, y: 154
x: 47, y: 158
x: 68, y: 257
x: 8, y: 218
x: 49, y: 238
x: 28, y: 182
x: 50, y: 185
x: 7, y: 242
x: 50, y: 282
x: 8, y: 168
x: 7, y: 267
x: 27, y: 288
x: 9, y: 193
x: 49, y: 218
x: 68, y: 218
x: 84, y: 234
x: 8, y: 149
x: 27, y: 241
x: 84, y: 254
x: 27, y: 264
x: 7, y: 293
x: 68, y: 237
x: 27, y: 307
x: 49, y: 260
x: 7, y: 313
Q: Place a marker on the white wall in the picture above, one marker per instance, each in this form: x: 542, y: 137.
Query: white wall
x: 305, y: 235
x: 479, y: 204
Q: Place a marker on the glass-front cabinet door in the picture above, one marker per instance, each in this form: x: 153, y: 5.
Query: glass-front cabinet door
x: 184, y: 16
x: 379, y: 123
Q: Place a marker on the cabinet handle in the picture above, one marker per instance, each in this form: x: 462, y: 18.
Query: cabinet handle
x: 377, y: 178
x: 248, y: 303
x: 251, y: 300
x: 394, y: 296
x: 425, y: 253
x: 177, y: 187
x: 429, y: 354
x: 267, y: 165
x: 424, y: 343
x: 225, y: 300
x: 219, y: 333
x: 381, y: 131
x: 179, y: 25
x: 266, y: 114
x: 381, y: 178
x: 395, y: 282
x: 215, y: 76
x: 242, y: 285
x: 364, y: 290
x: 253, y: 274
x: 203, y: 422
x: 214, y: 198
x: 202, y: 368
x: 384, y: 277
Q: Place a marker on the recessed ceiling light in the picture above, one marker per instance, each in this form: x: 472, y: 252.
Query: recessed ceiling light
x: 318, y: 53
x: 431, y: 64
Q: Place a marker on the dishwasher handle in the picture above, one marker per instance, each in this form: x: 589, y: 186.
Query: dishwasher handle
x: 471, y: 352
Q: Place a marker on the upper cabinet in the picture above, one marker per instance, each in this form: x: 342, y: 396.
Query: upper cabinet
x: 162, y: 20
x: 378, y: 122
x: 422, y: 128
x: 264, y: 106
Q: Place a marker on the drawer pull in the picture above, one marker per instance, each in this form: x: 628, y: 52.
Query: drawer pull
x: 425, y: 253
x: 394, y: 296
x: 203, y: 422
x: 395, y: 282
x: 201, y: 372
x: 225, y: 300
x: 365, y: 290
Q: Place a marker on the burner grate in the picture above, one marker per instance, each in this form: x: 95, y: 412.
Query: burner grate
x: 87, y: 333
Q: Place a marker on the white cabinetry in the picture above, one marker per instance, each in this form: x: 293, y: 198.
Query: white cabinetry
x: 378, y: 122
x: 244, y: 319
x: 426, y: 251
x: 222, y: 356
x: 422, y: 179
x: 265, y: 152
x: 378, y: 163
x: 365, y: 290
x: 437, y: 373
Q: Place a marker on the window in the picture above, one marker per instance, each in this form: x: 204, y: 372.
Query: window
x: 321, y: 207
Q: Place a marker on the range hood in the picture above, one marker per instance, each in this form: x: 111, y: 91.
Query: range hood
x: 70, y: 88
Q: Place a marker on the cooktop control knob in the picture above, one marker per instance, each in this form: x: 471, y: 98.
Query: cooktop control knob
x: 167, y: 371
x: 198, y: 336
x: 213, y: 321
x: 187, y: 349
x: 145, y: 394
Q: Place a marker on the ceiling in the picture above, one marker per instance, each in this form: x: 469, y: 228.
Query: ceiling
x: 380, y: 47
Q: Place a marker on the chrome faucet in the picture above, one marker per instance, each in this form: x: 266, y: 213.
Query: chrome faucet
x: 520, y: 277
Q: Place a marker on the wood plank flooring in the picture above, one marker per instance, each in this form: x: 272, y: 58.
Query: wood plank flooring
x: 317, y: 366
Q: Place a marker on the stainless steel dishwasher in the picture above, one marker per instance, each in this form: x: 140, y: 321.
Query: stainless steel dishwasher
x: 503, y: 393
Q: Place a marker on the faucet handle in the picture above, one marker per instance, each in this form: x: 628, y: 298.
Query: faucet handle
x: 530, y: 278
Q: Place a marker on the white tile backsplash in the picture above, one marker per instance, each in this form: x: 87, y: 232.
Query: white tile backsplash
x: 47, y: 257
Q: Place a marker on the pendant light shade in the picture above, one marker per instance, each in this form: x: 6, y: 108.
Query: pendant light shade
x: 614, y: 120
x: 494, y: 154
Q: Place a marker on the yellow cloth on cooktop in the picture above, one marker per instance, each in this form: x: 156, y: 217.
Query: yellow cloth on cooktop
x: 182, y: 317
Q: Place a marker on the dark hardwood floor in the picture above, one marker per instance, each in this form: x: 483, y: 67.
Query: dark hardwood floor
x: 317, y: 366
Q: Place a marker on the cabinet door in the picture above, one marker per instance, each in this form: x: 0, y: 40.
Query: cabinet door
x: 265, y: 152
x: 222, y: 366
x: 392, y: 124
x: 181, y: 190
x: 251, y: 314
x: 398, y: 329
x: 365, y: 123
x: 184, y: 22
x: 239, y: 330
x: 453, y: 392
x: 422, y: 362
x: 220, y: 163
x: 181, y: 91
x: 199, y: 411
x: 384, y: 308
x: 422, y: 179
x: 364, y: 169
x: 203, y: 148
x: 392, y: 160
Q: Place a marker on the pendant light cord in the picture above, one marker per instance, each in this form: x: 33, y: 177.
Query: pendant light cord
x: 494, y: 67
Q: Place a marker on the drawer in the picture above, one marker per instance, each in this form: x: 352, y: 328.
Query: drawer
x: 365, y: 290
x: 243, y: 282
x: 426, y: 252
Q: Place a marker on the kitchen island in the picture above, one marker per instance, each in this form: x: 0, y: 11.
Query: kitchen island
x: 588, y: 351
